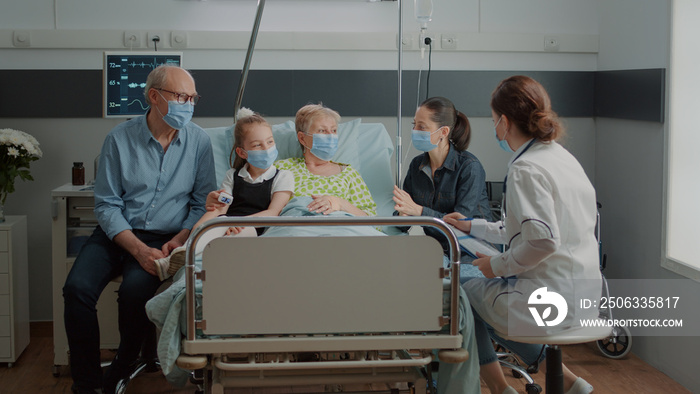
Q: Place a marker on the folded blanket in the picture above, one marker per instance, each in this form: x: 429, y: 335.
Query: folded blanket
x: 298, y: 207
x: 167, y: 311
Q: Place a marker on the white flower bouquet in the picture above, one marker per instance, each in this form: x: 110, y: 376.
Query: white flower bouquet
x: 17, y: 150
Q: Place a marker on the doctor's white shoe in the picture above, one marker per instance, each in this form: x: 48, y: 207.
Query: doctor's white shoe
x: 580, y: 387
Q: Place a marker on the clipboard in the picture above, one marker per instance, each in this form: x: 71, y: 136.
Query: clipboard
x: 469, y: 244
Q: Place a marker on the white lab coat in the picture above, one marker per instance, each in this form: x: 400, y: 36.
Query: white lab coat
x: 550, y: 232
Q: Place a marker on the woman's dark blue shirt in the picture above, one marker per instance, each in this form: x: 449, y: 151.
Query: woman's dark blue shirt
x: 459, y: 185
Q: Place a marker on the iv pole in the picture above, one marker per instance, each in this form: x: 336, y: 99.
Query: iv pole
x: 248, y: 58
x: 398, y: 100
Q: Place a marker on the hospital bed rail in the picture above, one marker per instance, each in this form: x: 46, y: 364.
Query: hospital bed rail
x: 321, y: 221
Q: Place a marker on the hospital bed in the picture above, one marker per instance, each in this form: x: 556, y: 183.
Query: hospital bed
x: 361, y: 306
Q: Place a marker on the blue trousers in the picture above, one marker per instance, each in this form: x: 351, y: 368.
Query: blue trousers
x: 100, y: 260
x: 461, y: 378
x: 528, y: 353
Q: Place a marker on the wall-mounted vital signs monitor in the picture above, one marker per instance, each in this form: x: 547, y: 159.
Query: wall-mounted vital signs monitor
x: 125, y: 78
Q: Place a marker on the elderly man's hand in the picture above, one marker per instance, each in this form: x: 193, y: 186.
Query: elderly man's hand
x: 177, y: 241
x: 146, y: 257
x: 169, y: 246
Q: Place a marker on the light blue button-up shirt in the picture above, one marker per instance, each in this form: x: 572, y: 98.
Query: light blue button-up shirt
x: 141, y: 186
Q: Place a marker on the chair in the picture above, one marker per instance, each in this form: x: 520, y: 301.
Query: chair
x: 554, y: 380
x: 494, y: 192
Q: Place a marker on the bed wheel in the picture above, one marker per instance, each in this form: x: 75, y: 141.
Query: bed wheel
x: 191, y: 362
x: 453, y: 356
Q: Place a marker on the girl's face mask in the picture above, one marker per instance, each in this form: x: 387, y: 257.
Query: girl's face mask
x: 262, y: 158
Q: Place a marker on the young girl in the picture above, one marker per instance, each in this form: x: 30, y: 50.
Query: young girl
x: 258, y: 188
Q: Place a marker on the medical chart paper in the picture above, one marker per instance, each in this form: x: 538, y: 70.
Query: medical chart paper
x: 470, y: 244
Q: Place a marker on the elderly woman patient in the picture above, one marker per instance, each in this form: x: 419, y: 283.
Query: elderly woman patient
x: 332, y: 186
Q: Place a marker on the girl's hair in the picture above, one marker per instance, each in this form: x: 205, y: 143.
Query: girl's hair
x: 444, y: 113
x: 306, y: 115
x: 239, y: 132
x: 526, y: 103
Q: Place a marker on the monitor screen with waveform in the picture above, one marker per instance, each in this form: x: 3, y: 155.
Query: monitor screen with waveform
x: 125, y: 76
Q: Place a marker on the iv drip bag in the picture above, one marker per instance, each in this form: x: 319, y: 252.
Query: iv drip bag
x: 423, y: 11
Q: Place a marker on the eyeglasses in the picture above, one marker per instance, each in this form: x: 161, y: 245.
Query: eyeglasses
x: 182, y: 98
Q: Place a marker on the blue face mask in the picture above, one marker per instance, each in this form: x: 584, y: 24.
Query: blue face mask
x: 179, y: 115
x: 324, y: 146
x: 502, y: 143
x: 262, y: 158
x: 421, y: 140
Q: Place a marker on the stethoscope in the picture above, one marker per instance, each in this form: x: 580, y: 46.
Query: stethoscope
x: 505, y: 180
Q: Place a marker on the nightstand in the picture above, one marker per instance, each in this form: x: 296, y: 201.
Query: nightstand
x: 73, y: 220
x: 14, y: 289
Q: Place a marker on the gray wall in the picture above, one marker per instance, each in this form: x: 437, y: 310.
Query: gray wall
x: 629, y: 175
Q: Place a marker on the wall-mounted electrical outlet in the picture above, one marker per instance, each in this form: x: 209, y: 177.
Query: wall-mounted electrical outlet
x: 427, y: 40
x: 448, y: 41
x: 178, y: 39
x: 132, y: 39
x: 160, y: 37
x: 22, y: 38
x: 551, y: 43
x: 406, y: 41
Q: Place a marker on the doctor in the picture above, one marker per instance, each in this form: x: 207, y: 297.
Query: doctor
x: 548, y: 228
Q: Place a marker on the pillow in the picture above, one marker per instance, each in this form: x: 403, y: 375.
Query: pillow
x: 221, y: 143
x: 374, y: 153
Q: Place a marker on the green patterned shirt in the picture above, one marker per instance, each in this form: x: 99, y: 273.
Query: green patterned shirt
x: 348, y: 184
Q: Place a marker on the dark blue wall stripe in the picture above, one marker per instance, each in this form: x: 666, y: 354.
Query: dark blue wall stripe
x: 627, y: 94
x: 631, y: 94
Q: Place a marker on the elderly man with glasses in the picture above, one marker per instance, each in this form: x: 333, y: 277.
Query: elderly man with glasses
x: 154, y: 174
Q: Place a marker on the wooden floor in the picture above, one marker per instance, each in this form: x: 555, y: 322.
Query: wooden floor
x: 32, y: 373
